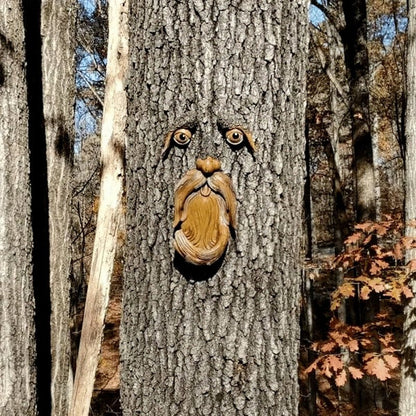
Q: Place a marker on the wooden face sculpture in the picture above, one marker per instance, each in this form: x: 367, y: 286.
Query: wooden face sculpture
x: 205, y: 209
x: 205, y: 203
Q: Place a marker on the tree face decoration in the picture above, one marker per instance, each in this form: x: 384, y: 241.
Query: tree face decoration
x: 205, y: 209
x: 205, y: 202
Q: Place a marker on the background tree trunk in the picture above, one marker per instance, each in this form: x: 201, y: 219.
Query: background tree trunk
x: 58, y: 76
x: 223, y: 340
x: 407, y: 403
x: 354, y: 38
x: 110, y: 211
x: 17, y: 332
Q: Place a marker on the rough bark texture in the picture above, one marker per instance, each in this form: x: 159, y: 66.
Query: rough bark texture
x: 17, y: 332
x: 58, y: 83
x: 356, y: 60
x: 407, y: 404
x: 217, y: 340
x: 110, y: 210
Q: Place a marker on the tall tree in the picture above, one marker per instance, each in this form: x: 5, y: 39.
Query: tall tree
x: 110, y: 210
x: 91, y: 54
x: 17, y: 331
x: 407, y: 402
x: 58, y: 86
x: 354, y: 38
x: 355, y: 42
x: 219, y: 339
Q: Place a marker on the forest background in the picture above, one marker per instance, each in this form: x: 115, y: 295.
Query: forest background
x: 339, y: 338
x: 357, y: 244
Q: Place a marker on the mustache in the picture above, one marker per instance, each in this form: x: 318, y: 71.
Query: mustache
x: 193, y: 181
x: 205, y: 210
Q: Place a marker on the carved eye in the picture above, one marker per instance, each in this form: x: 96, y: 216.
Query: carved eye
x: 182, y: 137
x: 234, y: 136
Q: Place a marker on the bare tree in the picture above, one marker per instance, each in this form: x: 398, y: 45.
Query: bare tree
x: 110, y: 210
x: 91, y: 52
x: 356, y: 61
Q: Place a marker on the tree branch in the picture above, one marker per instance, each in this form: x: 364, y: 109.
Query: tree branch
x: 91, y: 87
x: 331, y: 16
x: 328, y: 72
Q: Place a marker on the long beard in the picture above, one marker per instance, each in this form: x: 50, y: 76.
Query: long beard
x: 205, y: 210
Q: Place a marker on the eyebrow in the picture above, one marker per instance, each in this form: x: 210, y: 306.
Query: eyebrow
x: 228, y: 123
x: 225, y: 124
x: 189, y: 121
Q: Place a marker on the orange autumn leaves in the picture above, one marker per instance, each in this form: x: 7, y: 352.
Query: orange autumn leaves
x: 355, y: 351
x: 372, y: 262
x: 373, y: 265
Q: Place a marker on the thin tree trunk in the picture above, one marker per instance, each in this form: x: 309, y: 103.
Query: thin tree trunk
x: 357, y: 64
x: 58, y: 76
x: 308, y: 311
x: 222, y: 339
x: 356, y: 60
x: 110, y: 210
x: 336, y: 157
x: 407, y: 404
x: 17, y: 331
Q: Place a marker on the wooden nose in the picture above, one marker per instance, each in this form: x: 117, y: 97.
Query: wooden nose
x: 208, y: 166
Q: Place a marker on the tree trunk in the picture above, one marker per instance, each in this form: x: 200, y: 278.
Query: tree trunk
x: 356, y: 60
x: 219, y: 339
x: 58, y: 76
x: 338, y: 156
x: 17, y: 332
x: 357, y: 64
x: 306, y: 319
x: 407, y: 404
x: 110, y: 210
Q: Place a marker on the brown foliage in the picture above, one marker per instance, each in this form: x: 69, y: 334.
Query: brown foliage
x: 373, y: 265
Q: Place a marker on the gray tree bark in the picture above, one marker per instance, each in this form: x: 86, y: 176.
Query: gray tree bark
x: 407, y: 402
x: 217, y: 340
x: 58, y: 84
x: 17, y: 332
